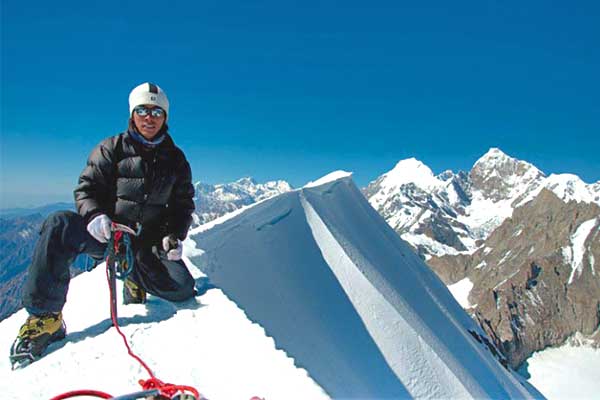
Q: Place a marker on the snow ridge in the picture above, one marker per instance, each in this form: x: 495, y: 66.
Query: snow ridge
x: 368, y: 300
x: 567, y: 187
x: 345, y: 260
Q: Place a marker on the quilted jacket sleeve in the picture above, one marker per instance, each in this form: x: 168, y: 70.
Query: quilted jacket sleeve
x: 92, y: 194
x: 181, y: 202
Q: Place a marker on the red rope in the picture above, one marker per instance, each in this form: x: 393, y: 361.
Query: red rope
x: 117, y: 238
x: 76, y: 393
x: 116, y: 325
x: 166, y: 389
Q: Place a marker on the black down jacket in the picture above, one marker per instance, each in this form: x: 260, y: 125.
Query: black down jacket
x: 132, y: 184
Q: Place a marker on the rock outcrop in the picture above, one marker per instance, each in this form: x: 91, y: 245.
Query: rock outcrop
x: 535, y: 279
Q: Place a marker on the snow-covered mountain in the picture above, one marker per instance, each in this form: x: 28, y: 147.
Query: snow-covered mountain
x: 212, y: 201
x: 519, y: 246
x: 318, y: 298
x: 453, y: 212
x: 424, y: 209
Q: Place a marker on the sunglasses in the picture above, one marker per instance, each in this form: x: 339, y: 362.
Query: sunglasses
x: 142, y: 111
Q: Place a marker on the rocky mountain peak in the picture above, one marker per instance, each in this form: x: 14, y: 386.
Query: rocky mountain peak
x: 246, y: 181
x: 500, y: 177
x: 492, y: 155
x: 446, y: 175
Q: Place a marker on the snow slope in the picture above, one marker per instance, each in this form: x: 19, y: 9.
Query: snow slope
x: 206, y: 342
x: 348, y: 300
x: 577, y: 249
x: 567, y: 372
x: 319, y: 298
x: 568, y: 187
x: 461, y: 290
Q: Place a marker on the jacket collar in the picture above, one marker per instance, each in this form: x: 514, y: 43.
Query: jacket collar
x: 135, y: 135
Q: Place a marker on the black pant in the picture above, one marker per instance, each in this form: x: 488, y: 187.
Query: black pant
x: 64, y: 235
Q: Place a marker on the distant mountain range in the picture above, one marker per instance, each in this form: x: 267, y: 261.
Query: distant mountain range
x: 212, y: 201
x: 18, y: 234
x: 17, y: 239
x: 43, y: 210
x: 525, y: 242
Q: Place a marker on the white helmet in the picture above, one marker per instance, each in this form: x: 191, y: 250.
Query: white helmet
x: 148, y: 93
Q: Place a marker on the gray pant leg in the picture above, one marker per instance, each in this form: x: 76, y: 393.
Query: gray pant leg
x: 167, y: 279
x: 62, y: 237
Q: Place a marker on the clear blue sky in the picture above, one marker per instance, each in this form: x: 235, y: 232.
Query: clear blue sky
x: 295, y: 89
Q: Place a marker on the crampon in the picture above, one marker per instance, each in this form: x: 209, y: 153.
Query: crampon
x: 36, y: 334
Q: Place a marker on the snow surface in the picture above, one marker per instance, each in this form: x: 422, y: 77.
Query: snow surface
x: 206, y: 342
x: 333, y: 176
x: 482, y: 264
x: 436, y: 248
x: 460, y: 290
x: 567, y: 187
x: 318, y: 298
x: 566, y: 373
x: 484, y: 215
x: 575, y: 253
x: 414, y: 171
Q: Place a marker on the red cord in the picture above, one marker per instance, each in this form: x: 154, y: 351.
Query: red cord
x: 116, y: 325
x: 152, y: 383
x: 166, y: 389
x: 76, y: 393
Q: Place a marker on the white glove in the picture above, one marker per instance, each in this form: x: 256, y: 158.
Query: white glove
x: 173, y: 248
x: 99, y: 228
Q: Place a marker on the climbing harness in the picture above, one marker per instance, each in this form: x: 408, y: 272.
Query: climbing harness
x: 119, y: 264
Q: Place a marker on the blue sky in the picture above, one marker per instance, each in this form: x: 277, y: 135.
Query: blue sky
x: 295, y: 89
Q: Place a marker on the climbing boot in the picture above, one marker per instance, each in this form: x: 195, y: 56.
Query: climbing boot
x: 133, y: 293
x: 36, y: 334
